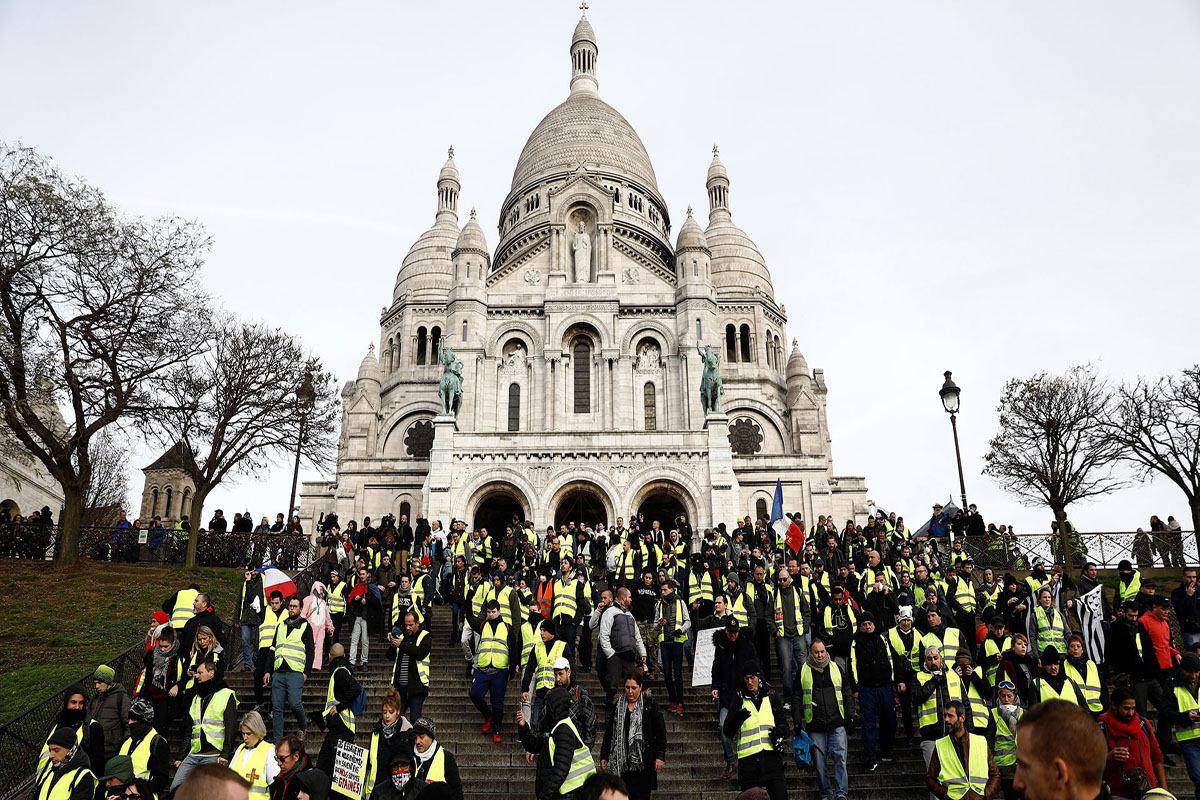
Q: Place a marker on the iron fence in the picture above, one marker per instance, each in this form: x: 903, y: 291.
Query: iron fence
x: 288, y: 551
x: 1105, y: 549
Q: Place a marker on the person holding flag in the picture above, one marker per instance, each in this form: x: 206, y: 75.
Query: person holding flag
x: 788, y: 528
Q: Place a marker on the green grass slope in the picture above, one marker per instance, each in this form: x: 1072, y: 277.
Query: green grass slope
x: 57, y: 624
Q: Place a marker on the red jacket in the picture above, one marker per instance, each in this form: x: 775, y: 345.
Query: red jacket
x: 1143, y: 747
x: 1159, y: 631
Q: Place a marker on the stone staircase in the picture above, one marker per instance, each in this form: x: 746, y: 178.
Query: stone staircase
x: 694, y: 759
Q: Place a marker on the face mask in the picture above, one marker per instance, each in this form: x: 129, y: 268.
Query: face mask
x: 1008, y: 708
x: 400, y: 780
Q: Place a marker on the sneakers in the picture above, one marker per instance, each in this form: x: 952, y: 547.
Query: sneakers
x: 679, y: 710
x: 874, y: 766
x: 497, y: 738
x: 730, y: 772
x: 487, y: 725
x: 787, y: 706
x: 887, y: 759
x: 672, y: 707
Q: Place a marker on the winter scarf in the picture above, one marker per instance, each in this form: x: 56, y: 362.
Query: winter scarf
x: 819, y: 664
x: 627, y: 755
x: 162, y: 662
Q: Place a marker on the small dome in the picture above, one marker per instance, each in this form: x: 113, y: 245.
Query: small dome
x: 717, y: 168
x: 796, y: 365
x: 449, y: 170
x: 427, y: 268
x: 584, y: 33
x: 691, y: 235
x: 368, y: 370
x: 737, y: 264
x: 471, y: 237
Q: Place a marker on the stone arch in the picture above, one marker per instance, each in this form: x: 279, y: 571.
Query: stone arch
x: 756, y: 407
x: 648, y: 328
x: 588, y: 480
x: 491, y: 486
x: 597, y: 201
x: 673, y: 487
x: 757, y: 496
x: 10, y: 506
x: 393, y: 442
x: 601, y: 332
x: 413, y: 499
x: 509, y: 330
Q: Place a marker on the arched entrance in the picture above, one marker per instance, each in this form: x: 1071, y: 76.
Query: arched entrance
x: 663, y: 506
x: 497, y: 505
x: 581, y: 504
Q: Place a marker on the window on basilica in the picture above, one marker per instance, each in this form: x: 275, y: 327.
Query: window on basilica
x: 745, y: 437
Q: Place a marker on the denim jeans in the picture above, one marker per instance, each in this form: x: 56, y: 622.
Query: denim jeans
x: 411, y: 705
x: 878, y: 707
x: 494, y: 685
x: 672, y: 664
x: 791, y: 652
x: 248, y: 652
x: 566, y: 635
x: 189, y: 763
x: 359, y: 639
x: 1191, y: 758
x: 730, y: 755
x: 831, y: 743
x: 287, y: 690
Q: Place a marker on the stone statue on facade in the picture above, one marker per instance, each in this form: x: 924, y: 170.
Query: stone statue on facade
x: 582, y: 248
x: 648, y: 358
x: 450, y: 388
x: 710, y: 384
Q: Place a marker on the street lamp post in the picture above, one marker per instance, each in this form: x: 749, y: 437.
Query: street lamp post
x: 306, y: 395
x: 949, y: 394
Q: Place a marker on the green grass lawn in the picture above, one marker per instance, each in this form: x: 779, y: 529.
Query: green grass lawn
x: 58, y: 624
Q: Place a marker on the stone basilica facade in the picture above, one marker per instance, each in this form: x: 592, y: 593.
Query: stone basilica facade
x: 579, y: 338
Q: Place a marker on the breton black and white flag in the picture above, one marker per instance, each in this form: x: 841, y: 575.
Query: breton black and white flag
x: 1091, y: 614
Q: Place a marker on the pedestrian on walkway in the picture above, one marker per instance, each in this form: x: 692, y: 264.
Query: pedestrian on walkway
x: 871, y: 668
x: 74, y: 716
x: 564, y: 761
x: 790, y: 608
x: 254, y: 759
x: 635, y: 739
x: 68, y: 774
x: 110, y: 707
x: 366, y: 611
x: 1132, y: 746
x: 292, y: 663
x: 214, y: 724
x: 251, y: 609
x: 148, y: 750
x: 316, y: 612
x: 760, y: 725
x: 410, y: 674
x: 961, y: 765
x: 673, y: 624
x: 391, y: 733
x: 337, y: 716
x: 435, y: 764
x: 498, y: 648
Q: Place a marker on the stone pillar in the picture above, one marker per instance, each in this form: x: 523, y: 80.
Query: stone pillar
x: 437, y: 494
x: 724, y: 492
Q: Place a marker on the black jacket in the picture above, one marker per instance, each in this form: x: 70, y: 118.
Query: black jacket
x: 552, y: 772
x: 160, y: 756
x: 768, y: 764
x: 85, y: 783
x: 246, y: 613
x: 93, y: 732
x: 416, y: 652
x: 872, y: 661
x: 654, y: 736
x: 453, y: 786
x: 729, y: 659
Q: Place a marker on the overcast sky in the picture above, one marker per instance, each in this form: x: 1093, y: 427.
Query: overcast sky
x: 992, y: 188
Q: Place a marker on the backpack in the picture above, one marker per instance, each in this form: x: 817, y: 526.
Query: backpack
x: 624, y: 633
x: 802, y: 750
x: 359, y: 706
x: 583, y: 714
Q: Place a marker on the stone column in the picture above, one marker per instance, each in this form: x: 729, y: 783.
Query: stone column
x: 724, y: 491
x: 437, y: 495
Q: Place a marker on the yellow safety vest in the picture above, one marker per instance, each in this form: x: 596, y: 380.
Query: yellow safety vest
x: 778, y: 598
x: 1187, y: 702
x: 44, y: 759
x: 1089, y: 684
x: 913, y: 652
x: 1070, y: 692
x: 195, y: 660
x: 702, y: 589
x: 346, y: 715
x: 1004, y: 749
x: 289, y: 647
x: 929, y: 712
x: 60, y: 787
x: 849, y: 614
x: 678, y: 635
x: 210, y: 719
x: 337, y: 598
x: 977, y: 707
x: 737, y: 607
x: 437, y: 767
x: 1131, y: 591
x: 949, y: 643
x: 806, y: 684
x: 140, y: 755
x: 755, y: 733
x: 990, y: 649
x: 266, y: 631
x: 957, y: 779
x: 504, y: 598
x: 422, y: 664
x: 252, y: 765
x: 183, y: 610
x: 565, y: 603
x: 493, y: 646
x: 543, y: 678
x: 529, y: 635
x: 1050, y: 633
x: 582, y: 764
x: 964, y: 594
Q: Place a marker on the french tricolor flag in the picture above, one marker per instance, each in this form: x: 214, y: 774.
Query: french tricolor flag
x: 275, y: 579
x: 783, y: 525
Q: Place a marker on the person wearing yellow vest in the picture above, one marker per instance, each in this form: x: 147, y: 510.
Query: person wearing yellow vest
x: 1181, y: 711
x: 292, y: 661
x: 672, y: 622
x: 68, y: 775
x: 1003, y: 729
x: 390, y: 734
x: 1086, y: 674
x: 789, y: 607
x: 569, y: 608
x: 757, y: 722
x: 336, y: 712
x: 264, y: 662
x: 977, y: 694
x: 908, y: 653
x: 498, y: 649
x: 411, y: 673
x: 961, y: 765
x: 213, y: 714
x: 434, y: 763
x: 994, y: 646
x: 1054, y: 683
x: 254, y: 759
x: 538, y: 677
x: 1049, y: 624
x: 337, y: 602
x: 872, y: 671
x: 564, y: 761
x: 148, y: 750
x: 944, y: 636
x: 180, y: 607
x: 1129, y: 581
x: 936, y: 687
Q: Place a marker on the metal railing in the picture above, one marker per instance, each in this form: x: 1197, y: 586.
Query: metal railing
x: 288, y: 551
x: 1105, y: 549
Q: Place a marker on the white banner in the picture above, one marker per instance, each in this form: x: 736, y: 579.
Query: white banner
x: 706, y: 651
x: 349, y: 770
x: 1091, y: 615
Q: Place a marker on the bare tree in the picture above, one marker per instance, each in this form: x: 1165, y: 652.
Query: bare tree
x: 94, y: 307
x: 1053, y: 447
x: 109, y: 484
x: 237, y: 409
x: 1157, y: 425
